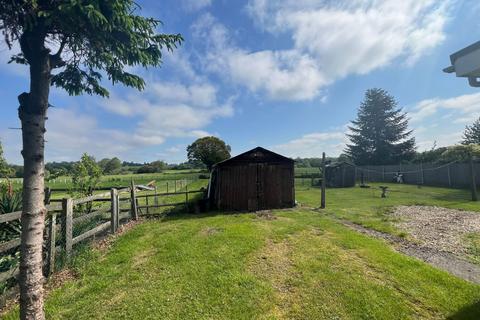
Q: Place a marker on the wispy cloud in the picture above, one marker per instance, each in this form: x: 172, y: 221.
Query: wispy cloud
x: 329, y: 41
x: 313, y: 144
x: 462, y: 109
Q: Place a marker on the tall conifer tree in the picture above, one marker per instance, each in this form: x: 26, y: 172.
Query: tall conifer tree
x: 380, y: 134
x: 472, y: 133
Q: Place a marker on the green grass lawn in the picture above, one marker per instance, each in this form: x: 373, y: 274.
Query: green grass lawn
x: 365, y: 206
x: 301, y: 265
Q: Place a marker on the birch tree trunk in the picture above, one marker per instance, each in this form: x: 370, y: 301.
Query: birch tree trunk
x: 32, y: 113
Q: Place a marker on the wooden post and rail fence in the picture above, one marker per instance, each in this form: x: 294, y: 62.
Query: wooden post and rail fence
x: 61, y: 220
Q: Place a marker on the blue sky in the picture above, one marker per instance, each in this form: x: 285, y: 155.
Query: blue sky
x: 287, y: 75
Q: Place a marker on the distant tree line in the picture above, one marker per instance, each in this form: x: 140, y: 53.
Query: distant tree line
x: 108, y: 166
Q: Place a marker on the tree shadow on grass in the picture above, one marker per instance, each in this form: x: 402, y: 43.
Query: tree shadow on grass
x: 180, y: 213
x: 467, y: 313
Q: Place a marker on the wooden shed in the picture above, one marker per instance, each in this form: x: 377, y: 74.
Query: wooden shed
x: 258, y: 179
x: 340, y: 175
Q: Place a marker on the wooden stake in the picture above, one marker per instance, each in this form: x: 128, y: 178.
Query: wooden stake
x: 322, y: 204
x: 113, y: 210
x: 67, y: 211
x: 474, y: 183
x: 52, y: 230
x: 133, y: 202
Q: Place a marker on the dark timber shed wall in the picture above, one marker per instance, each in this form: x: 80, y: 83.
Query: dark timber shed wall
x: 258, y: 179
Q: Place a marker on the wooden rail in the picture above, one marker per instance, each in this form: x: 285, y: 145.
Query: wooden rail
x: 66, y: 223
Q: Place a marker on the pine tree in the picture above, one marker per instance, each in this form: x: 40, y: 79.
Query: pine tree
x: 380, y: 134
x: 472, y: 133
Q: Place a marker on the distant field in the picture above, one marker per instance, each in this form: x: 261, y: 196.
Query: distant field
x: 302, y: 171
x: 124, y: 179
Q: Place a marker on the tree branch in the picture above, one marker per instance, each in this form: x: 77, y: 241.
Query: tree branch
x: 56, y: 60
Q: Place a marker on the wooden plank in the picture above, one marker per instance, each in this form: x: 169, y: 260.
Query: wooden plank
x: 133, y: 202
x: 324, y: 181
x: 90, y: 198
x: 163, y: 205
x: 113, y: 210
x: 7, y: 217
x: 91, y: 232
x: 52, y: 231
x: 88, y: 216
x: 9, y: 245
x: 67, y: 224
x: 12, y: 273
x: 123, y: 216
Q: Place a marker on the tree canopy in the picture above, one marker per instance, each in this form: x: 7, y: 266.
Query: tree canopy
x: 208, y: 150
x: 380, y: 134
x: 85, y: 40
x: 472, y: 133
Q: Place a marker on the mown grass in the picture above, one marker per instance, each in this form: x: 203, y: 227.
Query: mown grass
x: 302, y: 265
x: 365, y: 206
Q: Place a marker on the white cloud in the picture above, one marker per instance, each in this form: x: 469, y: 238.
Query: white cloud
x: 313, y: 144
x: 170, y: 109
x: 70, y: 133
x: 463, y: 109
x: 328, y: 42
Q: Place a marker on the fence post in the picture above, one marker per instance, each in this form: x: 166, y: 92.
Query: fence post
x: 474, y: 184
x: 167, y: 186
x: 423, y: 172
x: 322, y: 200
x: 449, y: 175
x: 117, y: 200
x: 67, y: 212
x: 383, y: 173
x: 113, y: 210
x: 175, y: 186
x: 52, y: 230
x: 186, y: 198
x: 133, y: 202
x: 48, y: 195
x: 156, y: 197
x: 146, y: 202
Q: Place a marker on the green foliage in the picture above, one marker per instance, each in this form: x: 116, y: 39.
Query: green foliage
x: 110, y: 166
x: 10, y: 201
x: 86, y: 175
x: 5, y: 170
x: 472, y: 133
x: 461, y: 153
x: 433, y: 155
x: 94, y: 37
x: 208, y: 150
x: 380, y: 134
x: 153, y: 167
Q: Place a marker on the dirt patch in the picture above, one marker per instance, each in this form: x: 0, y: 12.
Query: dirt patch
x: 265, y: 215
x: 433, y: 256
x: 439, y: 228
x: 209, y: 231
x: 273, y: 265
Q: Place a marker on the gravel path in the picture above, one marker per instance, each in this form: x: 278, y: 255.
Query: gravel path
x: 439, y: 228
x: 439, y: 259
